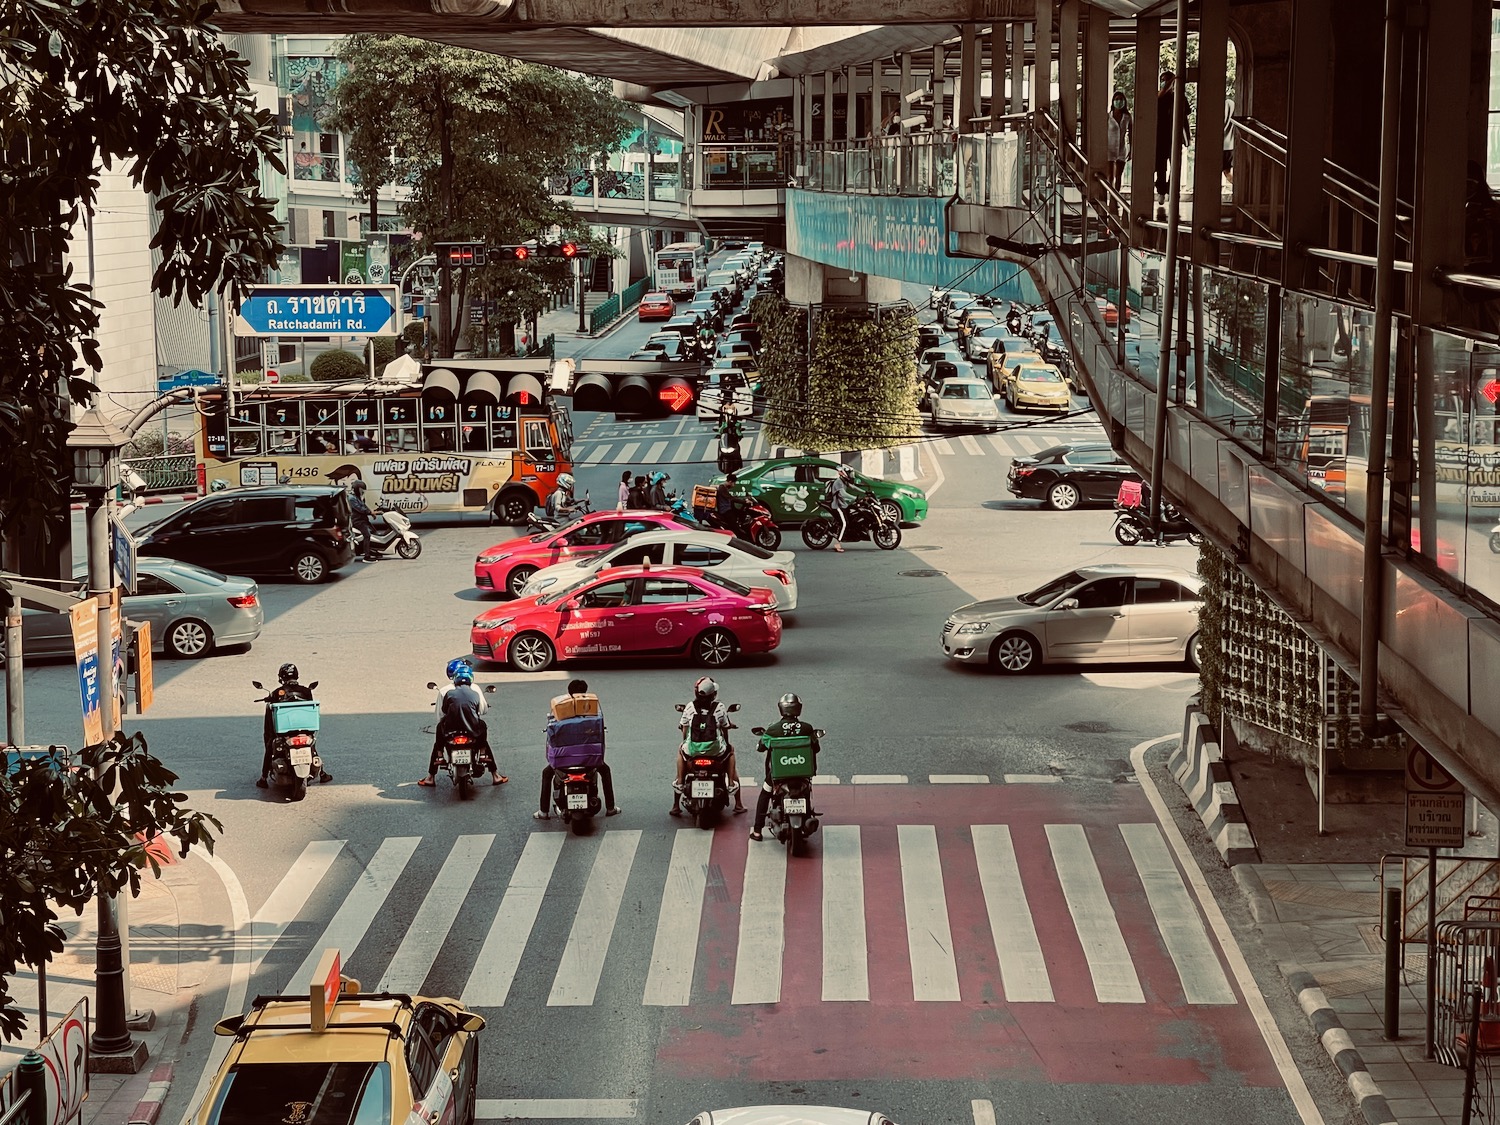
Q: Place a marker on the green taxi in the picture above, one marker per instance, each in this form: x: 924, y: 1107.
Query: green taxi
x: 792, y: 488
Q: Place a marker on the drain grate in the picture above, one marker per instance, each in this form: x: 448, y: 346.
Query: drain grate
x: 923, y: 572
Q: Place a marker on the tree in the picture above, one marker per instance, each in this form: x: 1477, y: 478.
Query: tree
x: 72, y: 830
x: 149, y: 86
x: 474, y: 135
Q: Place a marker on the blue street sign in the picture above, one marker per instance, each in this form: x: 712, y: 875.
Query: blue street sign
x: 318, y: 310
x: 122, y: 548
x: 165, y: 383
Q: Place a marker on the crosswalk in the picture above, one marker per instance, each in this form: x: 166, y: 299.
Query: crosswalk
x: 1021, y: 441
x: 1022, y: 911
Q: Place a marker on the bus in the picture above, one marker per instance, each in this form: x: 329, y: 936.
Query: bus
x: 682, y: 268
x: 468, y: 436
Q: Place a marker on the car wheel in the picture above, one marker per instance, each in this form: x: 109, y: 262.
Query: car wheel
x: 1062, y: 497
x: 893, y: 510
x: 518, y: 579
x: 299, y: 789
x: 1195, y: 538
x: 1495, y: 542
x: 1015, y: 653
x: 715, y: 648
x: 310, y: 568
x: 1194, y: 656
x: 188, y: 638
x: 512, y: 506
x: 531, y: 652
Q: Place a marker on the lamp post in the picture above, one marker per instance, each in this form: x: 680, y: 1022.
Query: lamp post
x: 95, y: 443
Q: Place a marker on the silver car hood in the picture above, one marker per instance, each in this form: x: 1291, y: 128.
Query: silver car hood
x: 990, y: 607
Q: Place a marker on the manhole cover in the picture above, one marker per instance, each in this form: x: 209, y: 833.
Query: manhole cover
x: 922, y: 573
x: 1089, y: 726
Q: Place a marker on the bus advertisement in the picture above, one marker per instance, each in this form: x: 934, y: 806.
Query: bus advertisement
x: 470, y: 436
x: 682, y: 268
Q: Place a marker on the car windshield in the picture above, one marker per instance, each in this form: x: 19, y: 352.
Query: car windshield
x: 1052, y: 590
x: 963, y: 390
x: 1039, y: 375
x: 314, y: 1093
x: 751, y: 548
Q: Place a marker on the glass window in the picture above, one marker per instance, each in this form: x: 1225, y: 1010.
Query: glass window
x: 670, y: 591
x: 279, y: 414
x: 220, y: 514
x: 536, y: 435
x: 284, y: 441
x: 1104, y: 594
x: 727, y: 583
x: 263, y: 509
x: 750, y: 548
x: 1152, y: 590
x: 1089, y: 457
x: 315, y: 1093
x: 149, y: 585
x: 607, y: 595
x: 590, y: 535
x: 697, y: 554
x: 636, y: 556
x: 1052, y: 590
x: 777, y: 474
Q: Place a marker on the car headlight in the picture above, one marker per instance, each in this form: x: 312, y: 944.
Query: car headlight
x: 973, y: 627
x: 539, y: 584
x: 491, y: 623
x: 485, y: 560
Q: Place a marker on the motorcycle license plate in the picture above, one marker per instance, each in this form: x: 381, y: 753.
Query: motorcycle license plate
x: 578, y: 800
x: 462, y: 757
x: 703, y: 788
x: 793, y: 806
x: 301, y: 755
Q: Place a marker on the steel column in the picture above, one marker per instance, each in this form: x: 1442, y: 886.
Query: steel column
x: 998, y: 36
x: 1096, y: 94
x: 1306, y: 149
x: 1041, y: 68
x: 1143, y: 151
x: 1017, y: 67
x: 1067, y: 66
x: 966, y: 103
x: 1208, y: 173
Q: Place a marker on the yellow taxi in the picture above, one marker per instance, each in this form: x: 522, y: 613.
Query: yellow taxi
x: 359, y: 1059
x: 1037, y: 386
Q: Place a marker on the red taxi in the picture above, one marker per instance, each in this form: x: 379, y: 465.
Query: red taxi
x: 656, y: 306
x: 632, y: 611
x: 507, y: 566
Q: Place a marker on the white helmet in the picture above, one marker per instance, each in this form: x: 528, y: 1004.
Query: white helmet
x: 565, y: 482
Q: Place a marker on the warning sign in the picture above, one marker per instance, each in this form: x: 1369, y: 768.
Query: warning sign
x: 1434, y: 803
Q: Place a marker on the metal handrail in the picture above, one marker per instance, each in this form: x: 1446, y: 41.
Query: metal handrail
x: 1245, y: 239
x: 13, y: 1110
x: 1348, y: 183
x: 1474, y: 280
x: 1351, y: 258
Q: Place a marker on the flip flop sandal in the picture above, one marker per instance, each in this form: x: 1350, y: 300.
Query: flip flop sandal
x: 425, y: 784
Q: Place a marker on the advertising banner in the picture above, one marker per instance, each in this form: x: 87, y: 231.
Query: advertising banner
x: 117, y: 653
x: 378, y: 262
x: 85, y: 617
x: 144, y: 687
x: 352, y: 270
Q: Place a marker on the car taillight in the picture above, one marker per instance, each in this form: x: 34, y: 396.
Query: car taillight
x: 1024, y: 470
x: 244, y: 601
x: 337, y: 532
x: 300, y: 740
x: 764, y: 607
x: 780, y: 575
x: 703, y: 761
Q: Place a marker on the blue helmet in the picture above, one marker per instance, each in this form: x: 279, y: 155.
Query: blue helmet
x: 658, y: 478
x: 460, y: 667
x: 463, y: 677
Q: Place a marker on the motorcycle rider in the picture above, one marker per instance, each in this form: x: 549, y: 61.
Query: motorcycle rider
x: 726, y: 509
x: 838, y: 497
x: 560, y: 505
x: 458, y: 708
x: 658, y: 498
x: 790, y: 725
x: 606, y: 778
x: 706, y: 700
x: 362, y: 515
x: 287, y: 691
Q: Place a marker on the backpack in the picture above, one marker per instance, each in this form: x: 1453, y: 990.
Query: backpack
x: 703, y: 727
x: 831, y: 490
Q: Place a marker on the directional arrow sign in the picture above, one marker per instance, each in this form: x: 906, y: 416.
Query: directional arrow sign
x: 318, y: 310
x: 675, y: 395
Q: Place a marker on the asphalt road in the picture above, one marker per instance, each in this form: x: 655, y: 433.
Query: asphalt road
x: 649, y: 971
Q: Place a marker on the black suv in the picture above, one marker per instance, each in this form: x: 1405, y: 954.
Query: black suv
x: 304, y: 530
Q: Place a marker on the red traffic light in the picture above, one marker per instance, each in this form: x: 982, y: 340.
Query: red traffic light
x: 676, y: 395
x: 522, y: 253
x: 1491, y: 390
x: 569, y: 249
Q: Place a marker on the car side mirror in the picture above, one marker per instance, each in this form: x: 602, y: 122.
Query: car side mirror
x: 431, y: 686
x: 570, y: 604
x: 1067, y: 603
x: 470, y: 1022
x: 733, y: 707
x: 682, y: 706
x: 231, y: 1025
x: 258, y: 684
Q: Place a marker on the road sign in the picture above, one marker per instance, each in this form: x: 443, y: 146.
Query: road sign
x: 318, y: 310
x: 144, y: 687
x: 1434, y: 803
x: 195, y: 378
x: 122, y: 548
x: 86, y: 652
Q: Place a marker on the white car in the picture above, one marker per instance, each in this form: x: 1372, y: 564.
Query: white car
x: 965, y: 402
x: 725, y: 378
x: 738, y: 559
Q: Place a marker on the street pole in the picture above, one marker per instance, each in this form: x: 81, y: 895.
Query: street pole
x: 15, y: 709
x: 582, y: 323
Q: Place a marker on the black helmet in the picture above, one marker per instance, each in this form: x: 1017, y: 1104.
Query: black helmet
x: 287, y: 673
x: 705, y: 691
x: 789, y: 706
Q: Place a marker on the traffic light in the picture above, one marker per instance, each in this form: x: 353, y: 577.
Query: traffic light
x: 513, y: 253
x: 644, y: 391
x: 459, y: 255
x: 559, y: 250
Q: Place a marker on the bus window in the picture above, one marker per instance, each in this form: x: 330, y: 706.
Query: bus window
x: 401, y: 439
x: 244, y: 442
x: 438, y: 439
x: 360, y: 415
x: 323, y: 441
x: 537, y: 438
x: 283, y: 441
x: 476, y: 439
x: 503, y: 436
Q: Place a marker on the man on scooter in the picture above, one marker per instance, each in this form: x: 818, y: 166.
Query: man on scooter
x: 287, y: 691
x: 790, y: 725
x: 706, y: 701
x: 459, y: 707
x: 606, y: 777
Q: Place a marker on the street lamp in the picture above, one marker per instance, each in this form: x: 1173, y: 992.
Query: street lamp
x: 95, y: 443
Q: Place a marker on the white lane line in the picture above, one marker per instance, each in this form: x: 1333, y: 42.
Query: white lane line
x: 1270, y: 1034
x: 239, y: 971
x: 757, y: 961
x: 669, y: 981
x: 944, y: 447
x: 1094, y: 919
x: 684, y: 451
x: 582, y: 962
x: 495, y: 967
x: 627, y: 451
x: 653, y: 455
x: 878, y: 779
x: 353, y: 918
x: 757, y: 448
x: 1203, y: 981
x: 958, y: 779
x: 971, y: 444
x: 598, y: 455
x: 1031, y: 779
x: 846, y: 959
x: 1002, y: 444
x: 929, y: 936
x: 983, y: 1110
x: 682, y: 424
x: 1023, y: 969
x: 423, y: 939
x: 826, y: 779
x: 554, y: 1109
x: 1030, y: 444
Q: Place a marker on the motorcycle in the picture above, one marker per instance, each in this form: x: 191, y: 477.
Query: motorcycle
x: 389, y: 528
x: 545, y: 522
x: 294, y: 741
x: 867, y: 519
x: 790, y: 816
x: 1133, y: 524
x: 751, y: 520
x: 465, y: 759
x: 706, y: 788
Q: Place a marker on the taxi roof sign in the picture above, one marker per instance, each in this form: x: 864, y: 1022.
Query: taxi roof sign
x: 323, y: 991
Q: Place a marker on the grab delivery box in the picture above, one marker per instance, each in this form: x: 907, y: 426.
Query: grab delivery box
x: 790, y: 757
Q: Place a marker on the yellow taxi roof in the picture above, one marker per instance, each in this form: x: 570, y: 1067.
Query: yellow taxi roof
x: 339, y: 1043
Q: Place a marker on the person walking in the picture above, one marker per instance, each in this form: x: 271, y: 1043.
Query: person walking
x: 624, y: 499
x: 1166, y: 99
x: 1121, y: 137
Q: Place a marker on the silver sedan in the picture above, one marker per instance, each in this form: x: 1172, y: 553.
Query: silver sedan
x: 1106, y: 614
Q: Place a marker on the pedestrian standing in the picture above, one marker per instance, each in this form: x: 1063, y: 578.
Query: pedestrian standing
x: 624, y: 498
x: 1166, y: 100
x: 640, y: 495
x: 1121, y: 137
x: 1229, y: 145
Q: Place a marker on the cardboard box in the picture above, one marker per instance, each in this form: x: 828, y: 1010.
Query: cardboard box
x: 571, y: 706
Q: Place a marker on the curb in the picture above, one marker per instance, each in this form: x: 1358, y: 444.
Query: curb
x: 1330, y: 1031
x: 148, y: 1109
x: 184, y: 498
x: 1199, y: 768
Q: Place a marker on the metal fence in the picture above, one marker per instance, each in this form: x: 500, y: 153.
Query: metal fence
x: 169, y: 471
x: 617, y: 305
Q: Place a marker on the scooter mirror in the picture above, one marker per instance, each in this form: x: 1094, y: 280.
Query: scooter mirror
x: 680, y: 706
x: 818, y: 732
x: 757, y: 730
x: 312, y: 685
x: 489, y: 689
x: 257, y: 683
x: 431, y: 685
x: 733, y: 707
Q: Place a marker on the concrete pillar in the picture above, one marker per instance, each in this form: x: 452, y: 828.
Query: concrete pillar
x: 828, y: 105
x: 1208, y: 137
x: 939, y: 87
x: 998, y: 34
x: 966, y: 104
x: 1041, y: 70
x: 809, y: 120
x: 851, y: 119
x: 1067, y: 65
x: 906, y: 88
x: 1307, y: 129
x: 1018, y: 67
x: 877, y: 97
x: 813, y: 283
x: 1096, y: 91
x: 1147, y: 51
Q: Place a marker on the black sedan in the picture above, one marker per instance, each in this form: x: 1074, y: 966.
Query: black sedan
x: 1068, y: 475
